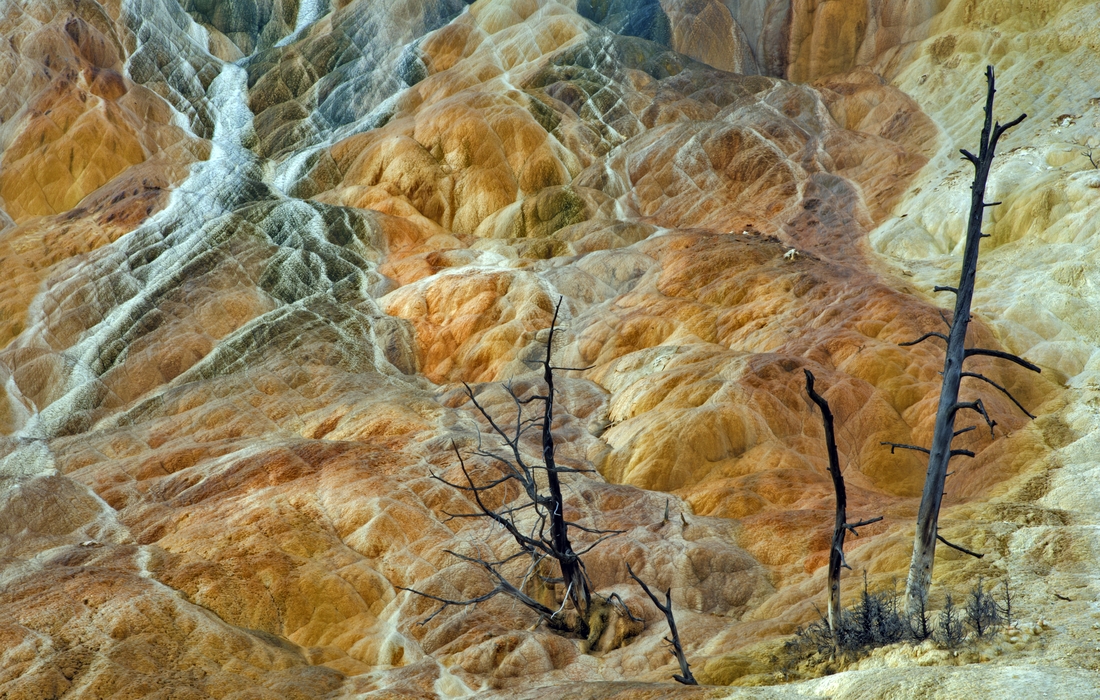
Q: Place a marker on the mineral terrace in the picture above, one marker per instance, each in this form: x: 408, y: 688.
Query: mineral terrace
x: 250, y: 250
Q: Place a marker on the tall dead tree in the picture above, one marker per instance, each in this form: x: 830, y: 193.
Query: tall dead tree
x: 841, y: 526
x: 537, y: 520
x: 941, y: 452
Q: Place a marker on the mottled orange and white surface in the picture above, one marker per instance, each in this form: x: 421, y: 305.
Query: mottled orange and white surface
x: 250, y: 250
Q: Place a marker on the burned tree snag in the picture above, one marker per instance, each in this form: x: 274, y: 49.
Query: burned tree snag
x: 685, y: 676
x: 572, y: 569
x: 924, y: 544
x: 841, y: 525
x: 536, y: 521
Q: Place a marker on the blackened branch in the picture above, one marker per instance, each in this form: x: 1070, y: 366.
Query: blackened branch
x: 446, y: 602
x: 505, y: 586
x: 618, y: 602
x: 986, y: 352
x: 1000, y: 129
x: 964, y: 550
x: 502, y: 586
x: 852, y: 526
x: 528, y: 544
x: 1000, y: 388
x: 594, y: 531
x: 926, y: 336
x: 978, y: 407
x: 513, y: 443
x: 685, y: 676
x: 895, y: 445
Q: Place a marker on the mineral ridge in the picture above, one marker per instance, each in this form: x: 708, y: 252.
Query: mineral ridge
x: 251, y: 249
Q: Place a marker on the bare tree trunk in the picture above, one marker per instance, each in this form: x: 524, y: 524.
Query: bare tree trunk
x: 940, y: 453
x: 572, y: 571
x: 840, y: 523
x: 836, y: 552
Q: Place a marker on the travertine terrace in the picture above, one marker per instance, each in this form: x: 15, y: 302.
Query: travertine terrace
x: 250, y: 250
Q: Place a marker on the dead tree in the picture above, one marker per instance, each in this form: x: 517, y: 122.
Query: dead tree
x: 537, y: 522
x: 1087, y: 151
x: 941, y: 452
x: 685, y: 676
x: 841, y: 526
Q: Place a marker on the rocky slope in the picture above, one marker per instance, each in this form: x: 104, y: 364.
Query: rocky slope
x: 252, y: 249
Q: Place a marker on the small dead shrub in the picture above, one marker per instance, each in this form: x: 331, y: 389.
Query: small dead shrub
x: 876, y: 620
x: 949, y: 631
x: 983, y: 615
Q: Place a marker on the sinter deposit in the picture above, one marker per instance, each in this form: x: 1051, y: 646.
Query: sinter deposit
x: 250, y: 251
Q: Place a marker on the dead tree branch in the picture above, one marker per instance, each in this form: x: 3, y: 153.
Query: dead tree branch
x: 685, y: 676
x: 851, y: 527
x: 976, y: 352
x: 903, y: 446
x: 964, y: 550
x: 1000, y: 388
x: 926, y: 336
x: 1087, y: 150
x: 979, y: 408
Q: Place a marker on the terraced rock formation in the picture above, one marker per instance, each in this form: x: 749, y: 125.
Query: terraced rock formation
x: 252, y: 249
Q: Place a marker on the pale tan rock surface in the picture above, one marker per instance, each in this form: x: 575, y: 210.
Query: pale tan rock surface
x: 252, y: 249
